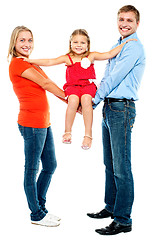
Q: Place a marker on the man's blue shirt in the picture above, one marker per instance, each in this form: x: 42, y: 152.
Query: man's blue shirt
x: 123, y: 73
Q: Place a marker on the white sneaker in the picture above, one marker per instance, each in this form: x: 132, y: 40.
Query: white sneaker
x: 47, y: 222
x: 53, y: 217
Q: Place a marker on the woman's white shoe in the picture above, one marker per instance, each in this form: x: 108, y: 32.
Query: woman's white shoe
x: 53, y: 217
x: 47, y: 222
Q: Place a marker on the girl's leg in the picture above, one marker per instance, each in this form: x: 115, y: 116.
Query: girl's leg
x: 87, y: 111
x: 73, y: 102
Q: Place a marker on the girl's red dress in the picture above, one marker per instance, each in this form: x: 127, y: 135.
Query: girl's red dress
x: 76, y: 76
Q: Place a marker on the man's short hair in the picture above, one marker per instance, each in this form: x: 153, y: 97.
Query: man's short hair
x: 130, y: 8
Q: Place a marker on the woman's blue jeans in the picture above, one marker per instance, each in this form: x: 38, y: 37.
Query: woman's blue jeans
x: 38, y: 145
x: 118, y: 120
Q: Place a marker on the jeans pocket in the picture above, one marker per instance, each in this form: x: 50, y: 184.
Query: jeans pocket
x: 131, y: 122
x: 21, y: 129
x: 26, y: 132
x: 117, y: 107
x: 132, y: 116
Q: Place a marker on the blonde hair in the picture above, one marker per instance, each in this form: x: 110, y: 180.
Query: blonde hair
x: 82, y: 32
x: 12, y: 51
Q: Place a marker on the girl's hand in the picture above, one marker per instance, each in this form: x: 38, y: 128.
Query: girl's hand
x: 27, y: 60
x: 22, y: 57
x: 132, y: 39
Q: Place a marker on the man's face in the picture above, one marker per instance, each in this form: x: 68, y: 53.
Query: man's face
x: 127, y: 24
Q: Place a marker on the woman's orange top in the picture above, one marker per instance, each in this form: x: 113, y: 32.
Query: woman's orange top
x: 34, y: 107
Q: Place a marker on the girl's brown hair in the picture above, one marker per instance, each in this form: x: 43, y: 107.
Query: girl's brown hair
x: 82, y: 32
x: 12, y: 51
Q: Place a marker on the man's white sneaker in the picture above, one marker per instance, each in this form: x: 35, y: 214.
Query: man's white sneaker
x: 53, y: 217
x: 47, y: 222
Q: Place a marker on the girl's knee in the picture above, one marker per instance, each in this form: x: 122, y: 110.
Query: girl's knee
x: 73, y: 101
x: 86, y: 100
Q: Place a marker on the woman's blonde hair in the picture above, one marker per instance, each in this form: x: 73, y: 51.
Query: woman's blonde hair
x: 12, y: 51
x: 82, y: 32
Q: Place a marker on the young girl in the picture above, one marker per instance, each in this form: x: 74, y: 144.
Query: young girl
x: 80, y: 74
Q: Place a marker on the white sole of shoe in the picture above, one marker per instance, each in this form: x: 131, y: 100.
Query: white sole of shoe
x: 45, y: 224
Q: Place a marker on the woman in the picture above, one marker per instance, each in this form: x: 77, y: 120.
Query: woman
x: 30, y: 84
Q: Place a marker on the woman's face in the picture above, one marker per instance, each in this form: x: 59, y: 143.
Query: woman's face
x: 24, y: 44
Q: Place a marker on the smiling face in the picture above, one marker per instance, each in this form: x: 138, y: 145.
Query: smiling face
x: 127, y: 23
x: 24, y: 44
x: 79, y: 44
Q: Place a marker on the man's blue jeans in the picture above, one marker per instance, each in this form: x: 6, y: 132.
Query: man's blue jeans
x: 38, y: 145
x: 118, y: 120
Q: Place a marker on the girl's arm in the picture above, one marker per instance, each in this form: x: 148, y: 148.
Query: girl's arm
x: 107, y: 55
x: 47, y: 84
x: 49, y: 62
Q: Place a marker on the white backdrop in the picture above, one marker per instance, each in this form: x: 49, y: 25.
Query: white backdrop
x: 78, y: 183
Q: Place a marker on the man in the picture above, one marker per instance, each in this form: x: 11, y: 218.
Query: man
x: 118, y: 90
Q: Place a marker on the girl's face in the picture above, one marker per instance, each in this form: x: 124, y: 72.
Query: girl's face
x: 24, y: 44
x: 79, y: 44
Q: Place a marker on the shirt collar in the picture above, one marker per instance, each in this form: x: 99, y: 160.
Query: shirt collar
x: 134, y: 35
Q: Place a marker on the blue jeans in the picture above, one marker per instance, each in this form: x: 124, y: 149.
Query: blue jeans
x: 118, y: 120
x: 38, y: 145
